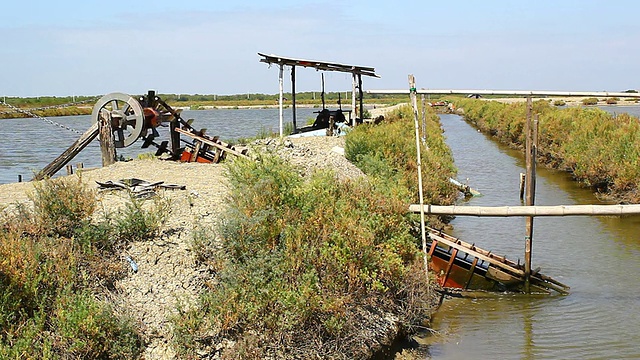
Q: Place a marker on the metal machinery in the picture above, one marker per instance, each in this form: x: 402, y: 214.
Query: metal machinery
x: 132, y: 119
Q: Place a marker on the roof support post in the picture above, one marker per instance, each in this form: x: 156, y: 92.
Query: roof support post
x: 361, y: 111
x: 293, y: 97
x: 353, y: 99
x: 280, y: 99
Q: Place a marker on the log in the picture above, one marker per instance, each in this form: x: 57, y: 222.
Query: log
x: 68, y: 154
x: 107, y: 145
x: 511, y: 211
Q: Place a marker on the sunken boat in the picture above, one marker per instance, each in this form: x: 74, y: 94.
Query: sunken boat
x: 462, y: 266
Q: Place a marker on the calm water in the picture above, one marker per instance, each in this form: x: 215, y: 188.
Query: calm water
x: 28, y: 145
x: 598, y: 257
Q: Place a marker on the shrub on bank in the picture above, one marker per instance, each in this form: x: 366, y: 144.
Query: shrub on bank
x: 53, y: 261
x: 388, y: 153
x: 590, y: 101
x: 310, y: 267
x: 599, y: 149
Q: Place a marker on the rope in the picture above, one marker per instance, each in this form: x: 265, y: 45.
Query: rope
x: 31, y: 114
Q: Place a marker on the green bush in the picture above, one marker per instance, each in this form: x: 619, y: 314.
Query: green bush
x: 299, y: 256
x: 52, y: 259
x: 590, y: 101
x: 559, y: 103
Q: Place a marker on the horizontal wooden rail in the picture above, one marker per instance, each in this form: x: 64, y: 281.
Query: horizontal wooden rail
x: 509, y: 92
x: 509, y: 211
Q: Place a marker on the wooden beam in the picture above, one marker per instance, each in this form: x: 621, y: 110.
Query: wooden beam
x: 211, y: 143
x: 68, y: 154
x: 512, y: 93
x: 514, y: 211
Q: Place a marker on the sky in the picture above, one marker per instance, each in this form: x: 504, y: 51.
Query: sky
x: 63, y: 48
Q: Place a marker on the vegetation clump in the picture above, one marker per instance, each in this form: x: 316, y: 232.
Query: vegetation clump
x: 55, y: 262
x: 599, y: 149
x: 590, y: 101
x: 310, y: 267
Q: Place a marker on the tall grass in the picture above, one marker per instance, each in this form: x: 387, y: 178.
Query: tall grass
x: 54, y: 261
x: 599, y: 149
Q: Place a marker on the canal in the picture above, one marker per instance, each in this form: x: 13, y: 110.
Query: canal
x: 598, y: 257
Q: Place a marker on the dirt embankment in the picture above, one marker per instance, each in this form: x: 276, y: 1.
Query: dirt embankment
x: 167, y: 273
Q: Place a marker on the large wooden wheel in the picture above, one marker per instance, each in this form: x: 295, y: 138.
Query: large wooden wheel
x: 126, y: 116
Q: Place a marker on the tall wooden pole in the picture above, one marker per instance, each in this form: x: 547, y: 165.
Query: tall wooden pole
x: 414, y: 104
x: 353, y: 99
x: 424, y: 119
x: 293, y: 97
x: 360, y: 95
x: 530, y: 158
x: 280, y: 81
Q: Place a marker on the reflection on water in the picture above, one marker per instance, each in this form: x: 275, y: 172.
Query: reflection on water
x: 598, y: 257
x: 27, y: 145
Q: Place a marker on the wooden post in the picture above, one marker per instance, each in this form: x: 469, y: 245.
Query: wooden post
x: 530, y: 185
x: 360, y: 93
x: 414, y: 104
x: 107, y: 146
x: 522, y: 181
x: 424, y: 119
x: 293, y: 98
x: 353, y: 99
x: 69, y: 168
x: 280, y: 99
x: 19, y: 178
x: 322, y: 93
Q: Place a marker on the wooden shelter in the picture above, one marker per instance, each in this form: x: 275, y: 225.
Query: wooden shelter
x: 355, y: 70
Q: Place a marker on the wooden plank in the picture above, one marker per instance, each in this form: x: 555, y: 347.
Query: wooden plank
x: 212, y: 143
x: 449, y: 266
x: 68, y: 154
x: 537, y: 210
x: 473, y: 268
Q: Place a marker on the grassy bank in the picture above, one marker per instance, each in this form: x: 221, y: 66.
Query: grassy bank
x: 56, y: 264
x: 47, y: 106
x: 600, y: 150
x: 317, y: 267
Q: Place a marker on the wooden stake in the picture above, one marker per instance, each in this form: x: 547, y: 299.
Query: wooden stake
x: 414, y: 104
x: 107, y: 146
x: 353, y: 100
x: 522, y: 180
x: 530, y: 194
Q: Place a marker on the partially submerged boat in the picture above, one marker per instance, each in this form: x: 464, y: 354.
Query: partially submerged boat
x: 463, y: 266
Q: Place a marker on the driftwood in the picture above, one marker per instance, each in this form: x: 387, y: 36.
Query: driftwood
x: 68, y: 154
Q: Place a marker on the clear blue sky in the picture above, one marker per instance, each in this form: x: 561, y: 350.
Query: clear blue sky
x: 210, y: 46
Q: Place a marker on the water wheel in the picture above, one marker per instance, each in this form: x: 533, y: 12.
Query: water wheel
x: 126, y: 116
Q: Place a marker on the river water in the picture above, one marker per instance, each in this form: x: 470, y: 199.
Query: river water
x: 598, y: 257
x: 28, y: 145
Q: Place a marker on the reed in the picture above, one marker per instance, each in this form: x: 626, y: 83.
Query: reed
x: 600, y: 150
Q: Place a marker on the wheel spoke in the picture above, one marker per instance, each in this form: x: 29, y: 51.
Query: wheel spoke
x: 114, y: 105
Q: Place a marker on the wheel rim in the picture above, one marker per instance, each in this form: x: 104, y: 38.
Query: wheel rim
x: 126, y: 116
